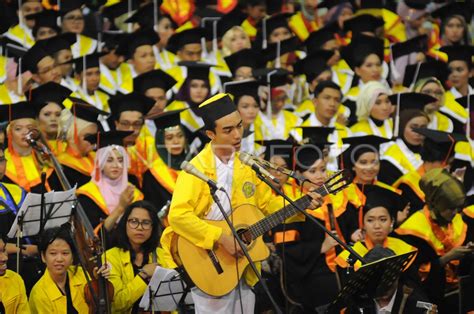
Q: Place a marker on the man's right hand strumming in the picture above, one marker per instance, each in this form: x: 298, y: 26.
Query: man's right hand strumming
x: 230, y: 245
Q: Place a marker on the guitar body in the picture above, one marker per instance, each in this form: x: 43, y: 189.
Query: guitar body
x: 202, y: 269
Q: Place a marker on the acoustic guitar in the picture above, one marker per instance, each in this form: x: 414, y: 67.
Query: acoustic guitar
x: 215, y: 271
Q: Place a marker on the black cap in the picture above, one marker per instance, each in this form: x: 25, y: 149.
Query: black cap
x: 416, y: 44
x: 360, y: 48
x: 196, y: 70
x: 136, y: 39
x: 118, y: 9
x: 314, y: 64
x: 216, y: 107
x: 462, y: 8
x: 144, y: 16
x: 168, y: 119
x: 32, y: 57
x: 412, y: 100
x: 130, y: 102
x: 315, y: 134
x: 234, y: 18
x: 416, y: 72
x: 460, y: 53
x: 438, y: 145
x: 104, y: 139
x: 45, y: 18
x: 49, y: 92
x: 14, y: 51
x: 151, y: 79
x: 274, y: 22
x: 189, y: 36
x: 70, y: 5
x: 282, y: 148
x: 87, y: 62
x: 57, y: 43
x: 363, y: 23
x: 280, y: 78
x: 377, y: 196
x: 112, y: 39
x: 329, y: 4
x: 360, y: 145
x: 317, y: 39
x: 306, y: 155
x: 245, y: 57
x: 85, y: 111
x: 286, y: 46
x: 19, y: 110
x: 243, y: 88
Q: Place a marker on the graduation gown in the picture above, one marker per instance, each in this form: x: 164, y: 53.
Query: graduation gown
x: 409, y: 185
x: 397, y: 160
x: 76, y: 168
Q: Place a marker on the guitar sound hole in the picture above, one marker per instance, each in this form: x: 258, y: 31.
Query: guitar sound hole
x: 245, y: 236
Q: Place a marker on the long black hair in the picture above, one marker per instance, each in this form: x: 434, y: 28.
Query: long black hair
x: 149, y: 245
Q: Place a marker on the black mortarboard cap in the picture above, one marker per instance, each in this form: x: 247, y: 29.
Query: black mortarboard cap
x: 416, y: 72
x: 314, y: 64
x: 14, y: 51
x: 196, y: 70
x: 306, y: 155
x: 360, y: 48
x: 412, y: 100
x: 118, y: 9
x: 136, y: 39
x: 315, y: 134
x: 104, y: 139
x: 189, y: 36
x: 112, y: 39
x: 241, y: 88
x: 69, y: 5
x: 360, y: 145
x: 245, y: 57
x: 317, y: 39
x: 417, y: 4
x: 274, y: 22
x: 363, y: 23
x: 32, y: 57
x: 49, y: 92
x: 19, y: 110
x: 437, y: 145
x: 461, y: 52
x: 377, y: 196
x: 144, y: 16
x: 216, y: 107
x: 91, y: 61
x: 279, y: 78
x: 130, y: 102
x: 288, y: 45
x: 329, y: 4
x: 85, y: 111
x: 45, y: 18
x: 234, y: 18
x: 416, y: 44
x: 58, y: 43
x: 462, y: 8
x: 168, y: 119
x: 151, y: 79
x: 282, y: 148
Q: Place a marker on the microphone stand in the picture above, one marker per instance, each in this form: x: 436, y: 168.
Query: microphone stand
x: 313, y: 220
x: 243, y: 247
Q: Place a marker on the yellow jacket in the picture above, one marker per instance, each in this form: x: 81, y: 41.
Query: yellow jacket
x: 8, y: 96
x: 13, y: 294
x: 452, y: 108
x: 301, y: 26
x: 21, y: 35
x: 265, y: 132
x: 128, y: 288
x: 3, y: 69
x: 366, y: 127
x: 45, y: 297
x: 83, y: 46
x: 192, y: 201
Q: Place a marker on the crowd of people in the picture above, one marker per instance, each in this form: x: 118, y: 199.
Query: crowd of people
x: 110, y: 97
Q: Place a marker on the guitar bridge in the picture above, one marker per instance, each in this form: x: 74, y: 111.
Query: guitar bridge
x: 215, y: 261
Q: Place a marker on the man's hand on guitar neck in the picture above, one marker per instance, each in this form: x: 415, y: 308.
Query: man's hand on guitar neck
x: 317, y: 200
x: 230, y: 245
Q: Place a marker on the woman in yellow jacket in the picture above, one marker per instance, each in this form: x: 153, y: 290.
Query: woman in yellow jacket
x: 61, y: 288
x: 135, y: 256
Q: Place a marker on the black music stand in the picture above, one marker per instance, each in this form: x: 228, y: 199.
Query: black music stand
x: 167, y: 291
x: 379, y: 275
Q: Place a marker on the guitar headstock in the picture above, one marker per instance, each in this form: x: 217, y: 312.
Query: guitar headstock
x: 337, y: 182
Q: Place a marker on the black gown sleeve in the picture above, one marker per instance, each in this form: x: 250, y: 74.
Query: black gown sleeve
x: 388, y: 172
x: 93, y: 211
x: 415, y: 202
x: 75, y: 177
x: 154, y: 192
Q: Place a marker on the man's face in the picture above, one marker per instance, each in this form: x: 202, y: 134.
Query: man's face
x: 327, y: 103
x: 28, y: 8
x: 47, y: 71
x: 227, y: 136
x: 130, y: 121
x: 190, y: 52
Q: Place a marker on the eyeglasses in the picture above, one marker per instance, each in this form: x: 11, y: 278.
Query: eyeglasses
x: 134, y: 223
x: 127, y: 124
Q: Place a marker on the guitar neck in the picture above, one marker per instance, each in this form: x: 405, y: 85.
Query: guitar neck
x: 281, y: 215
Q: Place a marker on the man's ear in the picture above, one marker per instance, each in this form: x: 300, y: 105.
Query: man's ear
x: 210, y: 134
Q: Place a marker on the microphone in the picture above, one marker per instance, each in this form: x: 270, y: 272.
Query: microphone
x: 32, y: 137
x: 189, y: 168
x: 249, y: 160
